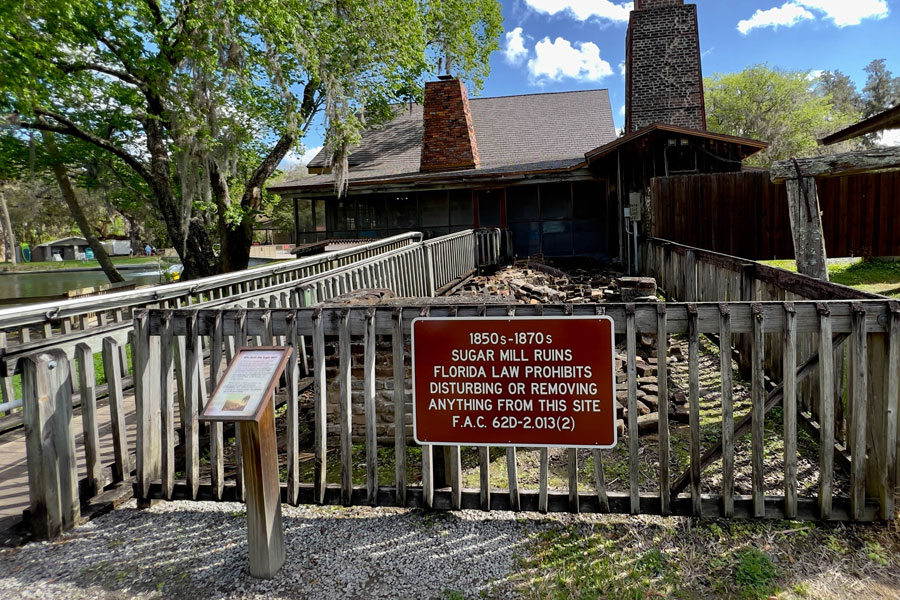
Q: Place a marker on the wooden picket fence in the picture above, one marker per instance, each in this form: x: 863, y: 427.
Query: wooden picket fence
x: 835, y: 321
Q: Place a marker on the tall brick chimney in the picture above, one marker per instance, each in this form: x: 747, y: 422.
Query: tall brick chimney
x: 664, y: 80
x: 449, y: 142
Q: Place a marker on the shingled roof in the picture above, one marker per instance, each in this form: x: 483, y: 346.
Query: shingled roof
x: 516, y: 134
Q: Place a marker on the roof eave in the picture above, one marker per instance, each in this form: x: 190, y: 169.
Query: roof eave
x: 888, y: 119
x: 606, y: 149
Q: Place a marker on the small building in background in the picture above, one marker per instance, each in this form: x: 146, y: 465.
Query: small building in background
x: 66, y: 249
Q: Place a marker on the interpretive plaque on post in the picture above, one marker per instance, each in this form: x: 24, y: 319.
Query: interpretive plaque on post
x: 245, y: 396
x: 249, y: 381
x: 514, y: 381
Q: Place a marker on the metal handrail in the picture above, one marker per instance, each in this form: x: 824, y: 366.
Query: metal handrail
x: 39, y: 313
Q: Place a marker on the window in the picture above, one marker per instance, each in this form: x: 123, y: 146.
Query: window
x: 556, y: 201
x: 522, y: 203
x: 371, y: 212
x: 590, y: 199
x: 461, y: 213
x: 435, y: 209
x: 401, y: 210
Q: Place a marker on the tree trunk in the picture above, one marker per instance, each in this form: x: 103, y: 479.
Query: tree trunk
x: 68, y: 194
x: 10, y: 234
x: 192, y: 243
x: 237, y: 239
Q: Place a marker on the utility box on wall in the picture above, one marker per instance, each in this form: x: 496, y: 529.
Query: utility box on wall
x: 634, y: 204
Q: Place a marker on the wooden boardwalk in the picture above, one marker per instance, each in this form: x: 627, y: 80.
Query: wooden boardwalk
x: 14, y: 469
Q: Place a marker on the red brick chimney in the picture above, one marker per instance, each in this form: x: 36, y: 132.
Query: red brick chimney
x: 664, y: 79
x: 449, y: 142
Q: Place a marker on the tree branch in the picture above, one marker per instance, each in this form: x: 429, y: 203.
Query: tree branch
x: 67, y: 127
x: 122, y: 75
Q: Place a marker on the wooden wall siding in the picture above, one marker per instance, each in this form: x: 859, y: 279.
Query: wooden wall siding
x: 825, y: 404
x: 745, y: 214
x: 759, y: 320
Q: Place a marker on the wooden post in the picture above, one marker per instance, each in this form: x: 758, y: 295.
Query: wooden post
x: 88, y: 387
x: 806, y: 227
x: 50, y: 443
x: 265, y: 531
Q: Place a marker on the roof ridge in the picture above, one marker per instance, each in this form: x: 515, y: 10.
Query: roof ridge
x: 539, y: 94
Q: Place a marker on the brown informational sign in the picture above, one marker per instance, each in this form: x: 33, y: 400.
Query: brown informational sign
x: 246, y: 385
x: 514, y: 381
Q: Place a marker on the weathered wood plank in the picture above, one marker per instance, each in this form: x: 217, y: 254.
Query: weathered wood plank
x: 633, y: 437
x: 838, y: 165
x: 662, y: 354
x: 573, y: 479
x: 346, y: 407
x: 806, y: 227
x: 166, y: 405
x: 758, y: 411
x: 543, y: 479
x: 455, y: 478
x: 292, y: 376
x: 50, y: 444
x: 88, y: 388
x: 265, y: 530
x: 399, y: 366
x: 320, y: 403
x: 858, y: 389
x: 193, y: 360
x: 826, y: 412
x: 694, y: 405
x: 727, y: 411
x: 216, y: 441
x: 789, y: 404
x: 889, y: 470
x: 369, y: 408
x: 112, y: 368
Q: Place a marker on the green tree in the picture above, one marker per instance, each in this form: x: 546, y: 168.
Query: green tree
x: 203, y: 99
x: 780, y: 107
x: 882, y: 90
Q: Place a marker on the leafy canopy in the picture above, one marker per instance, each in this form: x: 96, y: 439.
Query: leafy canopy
x: 203, y: 98
x: 781, y: 107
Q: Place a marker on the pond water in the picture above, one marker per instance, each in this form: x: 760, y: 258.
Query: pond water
x: 33, y: 285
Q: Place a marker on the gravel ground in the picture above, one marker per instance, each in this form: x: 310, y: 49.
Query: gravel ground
x: 198, y: 550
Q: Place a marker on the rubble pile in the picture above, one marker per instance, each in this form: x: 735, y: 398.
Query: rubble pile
x: 531, y: 282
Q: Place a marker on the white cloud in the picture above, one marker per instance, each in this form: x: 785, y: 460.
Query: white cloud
x: 585, y: 9
x: 787, y: 15
x: 559, y: 58
x: 890, y: 137
x: 814, y: 74
x: 622, y: 68
x: 515, y: 50
x: 848, y: 12
x: 292, y: 159
x: 842, y: 13
x: 622, y: 110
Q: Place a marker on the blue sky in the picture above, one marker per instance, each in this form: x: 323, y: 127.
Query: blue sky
x: 561, y: 45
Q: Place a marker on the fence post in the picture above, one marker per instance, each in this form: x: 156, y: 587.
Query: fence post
x: 744, y: 341
x: 429, y: 271
x: 690, y: 276
x: 50, y: 443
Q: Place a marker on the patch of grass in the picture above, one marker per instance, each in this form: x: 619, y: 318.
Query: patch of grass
x: 755, y: 573
x: 870, y: 275
x: 452, y: 595
x: 71, y: 264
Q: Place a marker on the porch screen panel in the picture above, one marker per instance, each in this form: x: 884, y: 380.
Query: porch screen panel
x: 556, y: 213
x: 589, y: 210
x: 462, y: 215
x: 372, y: 216
x: 402, y: 213
x: 434, y: 208
x: 523, y: 215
